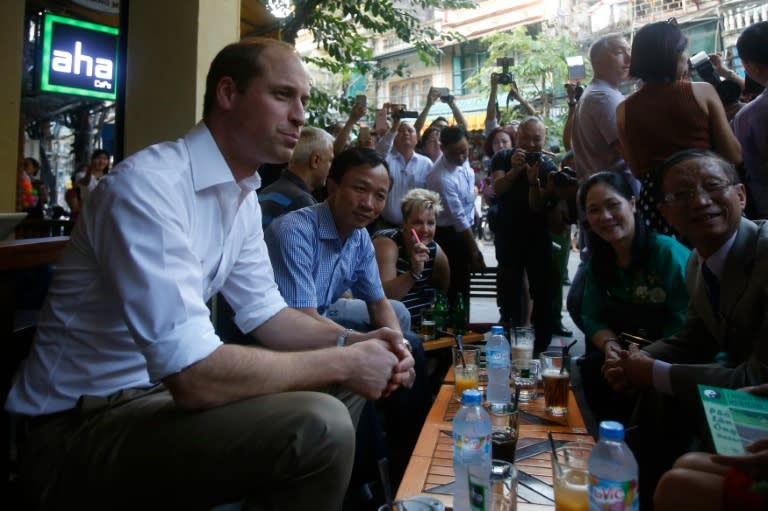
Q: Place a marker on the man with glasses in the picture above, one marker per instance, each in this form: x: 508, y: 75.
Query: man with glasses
x: 725, y: 338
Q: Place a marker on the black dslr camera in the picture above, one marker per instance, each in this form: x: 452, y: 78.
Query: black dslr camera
x: 532, y: 158
x: 703, y: 66
x: 565, y: 178
x: 505, y: 77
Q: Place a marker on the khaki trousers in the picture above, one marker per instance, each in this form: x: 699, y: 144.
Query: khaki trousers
x: 137, y: 450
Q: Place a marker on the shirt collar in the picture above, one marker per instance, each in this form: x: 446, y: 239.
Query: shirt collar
x: 716, y: 262
x: 209, y: 168
x: 326, y: 228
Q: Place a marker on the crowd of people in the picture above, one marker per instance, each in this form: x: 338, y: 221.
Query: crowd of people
x: 328, y: 270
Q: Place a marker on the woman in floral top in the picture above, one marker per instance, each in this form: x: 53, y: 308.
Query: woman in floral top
x: 634, y: 283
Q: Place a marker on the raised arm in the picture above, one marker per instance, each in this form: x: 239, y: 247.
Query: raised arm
x: 492, y: 108
x: 357, y: 113
x: 515, y: 93
x: 457, y: 115
x: 432, y: 96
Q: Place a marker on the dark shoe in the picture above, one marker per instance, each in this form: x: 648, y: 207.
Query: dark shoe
x: 562, y: 331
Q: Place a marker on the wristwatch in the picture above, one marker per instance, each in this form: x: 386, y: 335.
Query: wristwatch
x: 342, y: 338
x: 415, y: 276
x: 408, y: 345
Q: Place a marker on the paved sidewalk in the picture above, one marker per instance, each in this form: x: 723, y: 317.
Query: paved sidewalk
x: 485, y: 310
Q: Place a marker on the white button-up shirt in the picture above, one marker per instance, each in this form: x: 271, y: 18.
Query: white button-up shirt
x: 405, y: 175
x: 164, y: 231
x: 456, y: 186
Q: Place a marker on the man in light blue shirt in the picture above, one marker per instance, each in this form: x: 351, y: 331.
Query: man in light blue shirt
x: 320, y: 252
x: 454, y: 180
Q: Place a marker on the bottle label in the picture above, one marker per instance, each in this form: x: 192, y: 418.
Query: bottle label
x: 478, y: 489
x: 607, y: 495
x: 494, y: 358
x: 468, y: 448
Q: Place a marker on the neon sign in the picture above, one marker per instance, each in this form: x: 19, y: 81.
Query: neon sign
x: 79, y: 57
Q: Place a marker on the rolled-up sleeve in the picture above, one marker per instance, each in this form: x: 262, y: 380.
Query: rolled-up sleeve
x: 156, y: 277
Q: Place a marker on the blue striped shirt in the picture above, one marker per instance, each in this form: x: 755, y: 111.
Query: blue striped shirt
x: 313, y: 267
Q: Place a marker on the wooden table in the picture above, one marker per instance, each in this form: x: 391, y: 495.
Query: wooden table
x: 448, y: 341
x: 431, y: 465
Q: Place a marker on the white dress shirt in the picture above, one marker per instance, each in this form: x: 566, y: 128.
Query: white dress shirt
x: 165, y: 230
x: 405, y: 175
x: 456, y: 186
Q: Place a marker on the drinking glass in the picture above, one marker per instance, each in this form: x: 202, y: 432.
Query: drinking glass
x: 505, y: 421
x: 570, y: 476
x: 465, y: 372
x: 521, y: 341
x: 556, y: 375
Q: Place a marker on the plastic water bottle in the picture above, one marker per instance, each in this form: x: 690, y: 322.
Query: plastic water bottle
x: 471, y: 449
x: 612, y: 472
x: 498, y: 364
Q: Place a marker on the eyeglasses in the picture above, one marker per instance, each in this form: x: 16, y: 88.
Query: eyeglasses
x: 710, y: 190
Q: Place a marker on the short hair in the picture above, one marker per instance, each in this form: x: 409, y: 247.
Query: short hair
x: 692, y: 154
x: 531, y: 119
x: 453, y: 134
x: 438, y: 119
x: 600, y: 46
x: 240, y: 61
x: 488, y: 145
x: 656, y: 51
x: 354, y: 157
x: 753, y: 43
x: 311, y: 140
x: 603, y: 256
x: 426, y: 134
x: 420, y: 199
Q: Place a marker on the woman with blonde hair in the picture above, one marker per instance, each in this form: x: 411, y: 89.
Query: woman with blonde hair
x: 412, y: 265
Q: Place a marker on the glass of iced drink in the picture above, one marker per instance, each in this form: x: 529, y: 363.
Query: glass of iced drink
x: 465, y: 370
x: 555, y: 375
x: 570, y: 477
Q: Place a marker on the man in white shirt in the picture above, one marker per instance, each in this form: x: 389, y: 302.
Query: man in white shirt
x: 128, y: 386
x: 454, y: 180
x: 407, y: 168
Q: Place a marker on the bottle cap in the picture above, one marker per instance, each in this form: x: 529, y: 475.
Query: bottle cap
x: 471, y: 397
x: 497, y: 329
x: 611, y: 430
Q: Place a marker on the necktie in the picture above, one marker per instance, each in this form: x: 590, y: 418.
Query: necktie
x: 713, y: 287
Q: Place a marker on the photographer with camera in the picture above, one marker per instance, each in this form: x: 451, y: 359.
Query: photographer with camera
x: 523, y: 242
x: 444, y: 95
x: 492, y: 111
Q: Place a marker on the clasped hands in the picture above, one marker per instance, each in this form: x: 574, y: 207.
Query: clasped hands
x: 627, y: 371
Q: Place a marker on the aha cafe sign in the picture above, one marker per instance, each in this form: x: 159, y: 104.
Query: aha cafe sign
x: 79, y: 58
